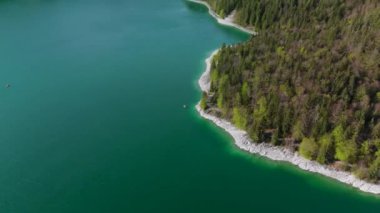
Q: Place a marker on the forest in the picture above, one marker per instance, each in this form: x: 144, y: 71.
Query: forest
x: 310, y: 79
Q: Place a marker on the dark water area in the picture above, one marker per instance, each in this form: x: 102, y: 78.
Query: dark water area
x: 94, y: 121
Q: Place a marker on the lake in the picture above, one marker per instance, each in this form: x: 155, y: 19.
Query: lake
x: 93, y: 120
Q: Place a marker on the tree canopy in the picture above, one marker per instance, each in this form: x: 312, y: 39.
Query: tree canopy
x: 309, y: 79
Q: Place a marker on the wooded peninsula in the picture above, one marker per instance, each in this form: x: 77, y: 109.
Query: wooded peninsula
x: 309, y: 80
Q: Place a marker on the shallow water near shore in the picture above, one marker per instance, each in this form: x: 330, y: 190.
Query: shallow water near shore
x: 94, y: 118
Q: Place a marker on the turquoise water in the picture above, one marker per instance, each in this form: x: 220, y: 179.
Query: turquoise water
x: 93, y: 121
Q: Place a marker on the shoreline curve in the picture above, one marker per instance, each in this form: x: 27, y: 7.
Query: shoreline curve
x: 277, y: 153
x: 228, y: 21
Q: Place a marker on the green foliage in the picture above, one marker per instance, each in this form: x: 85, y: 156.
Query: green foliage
x: 220, y: 102
x: 378, y: 97
x: 297, y: 131
x: 308, y: 148
x: 312, y: 71
x: 239, y: 118
x: 244, y: 93
x: 260, y: 111
x: 275, y: 137
x: 374, y: 169
x: 376, y: 131
x: 365, y: 150
x: 338, y: 134
x: 345, y: 150
x: 214, y: 76
x: 280, y: 51
x: 203, y: 103
x: 325, y: 149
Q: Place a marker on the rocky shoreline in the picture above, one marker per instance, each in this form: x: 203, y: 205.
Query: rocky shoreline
x: 276, y: 153
x: 228, y: 21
